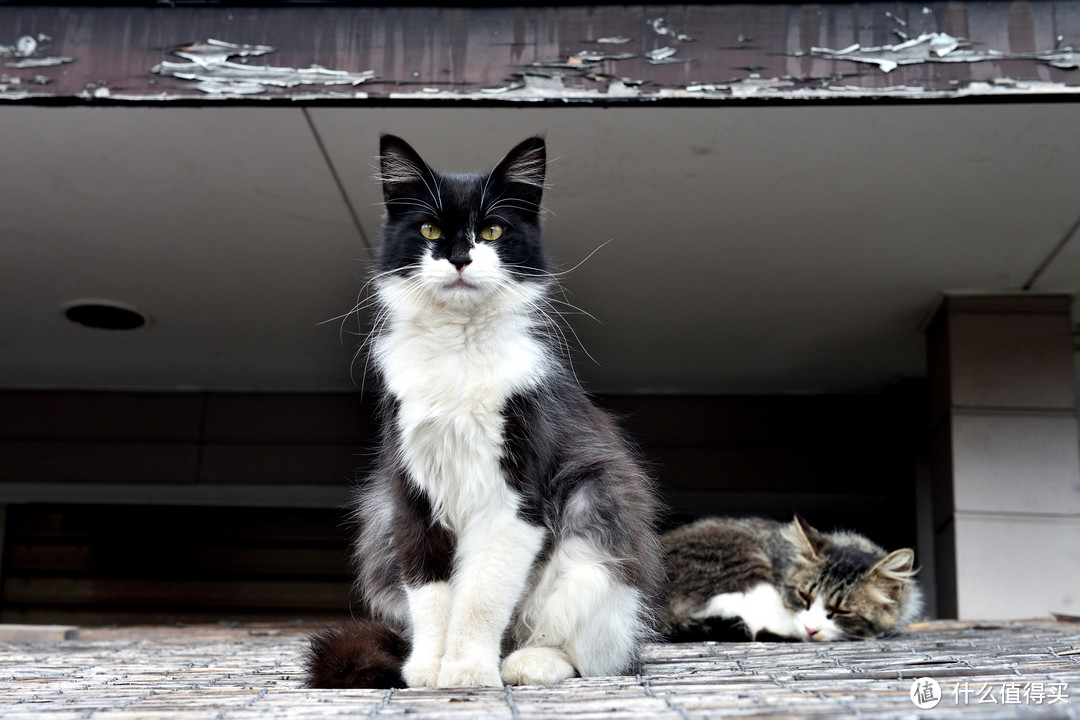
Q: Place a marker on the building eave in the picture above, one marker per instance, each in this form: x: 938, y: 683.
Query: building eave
x: 609, y: 54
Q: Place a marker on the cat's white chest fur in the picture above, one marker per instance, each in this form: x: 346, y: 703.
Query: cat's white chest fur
x: 452, y: 372
x: 759, y: 608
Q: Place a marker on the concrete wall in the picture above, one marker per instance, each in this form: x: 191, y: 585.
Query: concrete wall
x: 1004, y: 457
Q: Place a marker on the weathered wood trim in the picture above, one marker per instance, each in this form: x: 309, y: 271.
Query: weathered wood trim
x: 718, y: 53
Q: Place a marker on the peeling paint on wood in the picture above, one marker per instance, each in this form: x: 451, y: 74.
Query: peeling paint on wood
x: 539, y: 54
x: 210, y: 64
x: 940, y: 48
x: 29, y: 52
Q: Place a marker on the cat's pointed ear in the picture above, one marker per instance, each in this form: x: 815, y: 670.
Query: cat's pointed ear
x: 805, y: 537
x: 523, y: 169
x: 892, y: 572
x: 403, y: 173
x: 899, y: 563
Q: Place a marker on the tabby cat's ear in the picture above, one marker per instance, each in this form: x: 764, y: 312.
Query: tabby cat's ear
x: 404, y: 174
x: 805, y: 537
x: 523, y: 170
x: 892, y: 572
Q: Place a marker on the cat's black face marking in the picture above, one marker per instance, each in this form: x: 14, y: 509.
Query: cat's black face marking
x: 461, y: 207
x: 844, y: 566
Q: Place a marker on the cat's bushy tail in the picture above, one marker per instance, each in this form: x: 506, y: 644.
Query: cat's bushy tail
x: 362, y: 654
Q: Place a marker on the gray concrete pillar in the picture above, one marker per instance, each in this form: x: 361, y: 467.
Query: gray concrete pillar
x: 1005, y: 459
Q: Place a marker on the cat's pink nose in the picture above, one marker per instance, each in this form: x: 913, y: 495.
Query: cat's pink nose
x: 810, y: 631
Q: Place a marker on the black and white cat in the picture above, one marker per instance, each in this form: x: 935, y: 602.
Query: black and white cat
x: 507, y: 531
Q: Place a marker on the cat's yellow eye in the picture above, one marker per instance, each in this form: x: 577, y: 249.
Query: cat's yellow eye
x: 492, y: 232
x: 431, y: 231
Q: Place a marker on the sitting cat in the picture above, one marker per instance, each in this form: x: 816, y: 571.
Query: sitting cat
x: 507, y: 530
x: 752, y: 578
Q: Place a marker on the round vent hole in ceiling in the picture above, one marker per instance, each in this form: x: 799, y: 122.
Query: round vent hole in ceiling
x: 104, y: 315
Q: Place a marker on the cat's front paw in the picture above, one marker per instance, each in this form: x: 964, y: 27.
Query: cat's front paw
x: 466, y: 673
x: 421, y: 672
x: 537, y: 666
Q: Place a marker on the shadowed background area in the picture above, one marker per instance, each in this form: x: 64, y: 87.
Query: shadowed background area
x: 757, y: 240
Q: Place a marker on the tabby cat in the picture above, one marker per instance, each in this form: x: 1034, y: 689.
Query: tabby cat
x: 506, y: 534
x: 753, y: 578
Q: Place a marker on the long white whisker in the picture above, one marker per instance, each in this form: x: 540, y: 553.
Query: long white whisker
x: 560, y: 273
x: 576, y: 310
x: 378, y: 321
x: 545, y: 310
x: 586, y: 258
x: 414, y: 202
x: 577, y: 339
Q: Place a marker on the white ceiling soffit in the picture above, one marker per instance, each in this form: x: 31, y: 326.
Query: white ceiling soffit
x: 719, y: 249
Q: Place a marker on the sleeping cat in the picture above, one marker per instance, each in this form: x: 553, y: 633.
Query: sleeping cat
x: 507, y: 531
x: 752, y: 578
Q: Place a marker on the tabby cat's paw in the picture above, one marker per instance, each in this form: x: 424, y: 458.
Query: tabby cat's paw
x: 537, y: 666
x: 421, y: 672
x: 466, y: 673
